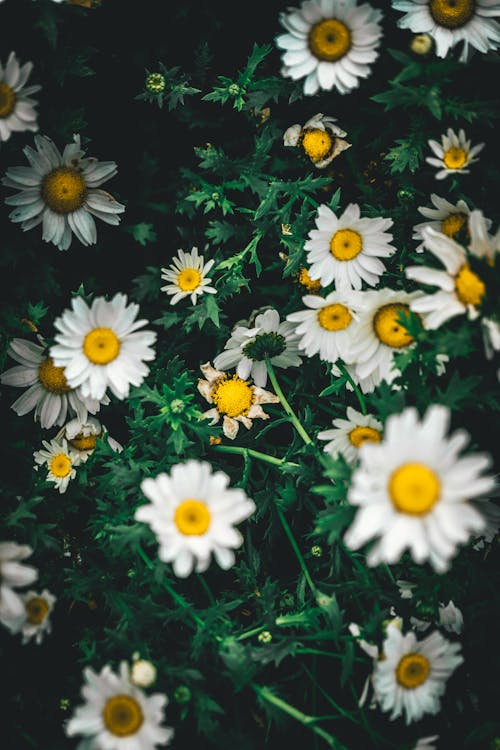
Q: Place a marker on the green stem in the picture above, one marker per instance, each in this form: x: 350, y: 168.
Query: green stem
x: 207, y: 589
x: 293, y: 418
x: 296, y: 549
x: 255, y: 454
x: 328, y: 698
x: 358, y: 393
x: 250, y: 633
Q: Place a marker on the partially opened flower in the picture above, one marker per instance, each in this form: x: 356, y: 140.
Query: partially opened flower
x: 35, y: 622
x: 350, y: 434
x: 82, y: 437
x: 60, y: 461
x: 448, y: 218
x: 451, y: 618
x: 14, y: 574
x: 453, y: 154
x: 187, y: 277
x: 17, y: 108
x: 320, y: 139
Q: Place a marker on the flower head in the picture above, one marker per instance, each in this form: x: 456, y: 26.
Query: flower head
x: 448, y: 218
x: 13, y: 574
x: 350, y: 434
x: 17, y: 108
x: 35, y: 622
x: 82, y: 437
x: 320, y: 139
x: 453, y: 154
x: 187, y: 277
x: 60, y: 461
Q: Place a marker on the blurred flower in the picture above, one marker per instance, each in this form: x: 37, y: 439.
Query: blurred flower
x: 446, y: 217
x: 83, y: 435
x: 142, y: 673
x: 35, y: 622
x: 187, y: 277
x: 13, y: 574
x: 17, y: 108
x: 350, y: 434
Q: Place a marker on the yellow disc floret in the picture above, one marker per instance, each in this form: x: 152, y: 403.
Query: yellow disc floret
x: 7, y: 100
x: 346, y: 244
x: 101, y: 346
x: 414, y: 489
x: 64, y: 190
x: 387, y: 327
x: 60, y: 465
x: 52, y: 378
x: 469, y: 287
x: 363, y: 434
x: 329, y: 40
x: 312, y: 285
x: 412, y: 671
x: 233, y: 396
x: 188, y: 279
x: 455, y: 157
x: 37, y: 610
x: 453, y: 223
x: 192, y: 517
x: 316, y: 143
x: 122, y: 715
x: 334, y: 317
x: 452, y: 13
x: 84, y: 442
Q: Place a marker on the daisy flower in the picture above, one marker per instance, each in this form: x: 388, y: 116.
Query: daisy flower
x: 192, y: 512
x: 48, y: 391
x: 330, y: 43
x: 235, y: 399
x: 414, y: 491
x: 412, y: 677
x: 448, y: 218
x: 60, y: 461
x: 450, y: 22
x: 62, y: 193
x: 100, y: 346
x: 187, y: 277
x: 82, y: 437
x: 453, y: 154
x: 481, y: 244
x: 327, y: 326
x: 313, y: 286
x: 35, y: 622
x: 491, y: 338
x: 320, y: 139
x: 346, y: 249
x: 17, y: 108
x: 451, y: 618
x: 117, y: 715
x: 350, y: 434
x: 248, y: 347
x: 13, y: 574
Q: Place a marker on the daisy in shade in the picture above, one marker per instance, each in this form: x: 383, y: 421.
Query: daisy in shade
x: 453, y: 154
x: 48, y: 391
x: 62, y: 192
x: 17, y: 108
x: 320, y: 139
x: 235, y: 399
x: 350, y: 434
x: 313, y: 286
x: 414, y: 491
x: 412, y: 677
x: 192, y: 513
x: 60, y: 461
x: 83, y: 436
x: 187, y: 277
x: 13, y: 574
x: 346, y: 249
x: 117, y: 715
x: 248, y: 347
x: 481, y: 244
x: 448, y: 218
x: 329, y: 43
x: 427, y: 743
x: 450, y: 22
x: 100, y: 346
x: 35, y: 622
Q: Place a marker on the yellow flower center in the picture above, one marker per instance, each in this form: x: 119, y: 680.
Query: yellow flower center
x: 52, y: 378
x: 36, y: 610
x: 334, y: 317
x: 329, y: 40
x: 360, y: 435
x: 64, y: 190
x: 387, y: 327
x: 452, y: 13
x: 60, y: 465
x: 101, y: 346
x: 412, y: 671
x: 469, y: 287
x: 7, y: 100
x: 414, y: 489
x: 455, y: 157
x: 122, y: 715
x: 316, y: 143
x: 188, y: 279
x: 84, y: 442
x: 192, y: 517
x: 312, y: 285
x: 421, y: 44
x: 233, y: 396
x: 453, y: 223
x: 346, y: 244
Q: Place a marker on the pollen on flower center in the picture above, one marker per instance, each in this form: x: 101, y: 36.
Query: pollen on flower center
x: 7, y: 100
x: 360, y: 435
x: 316, y: 143
x: 84, y: 442
x: 52, y: 378
x: 346, y: 244
x: 122, y: 715
x: 453, y: 223
x: 192, y: 517
x: 64, y: 190
x: 312, y: 285
x: 60, y: 465
x: 329, y: 40
x: 455, y: 157
x: 334, y: 317
x: 188, y: 279
x: 101, y: 346
x: 265, y: 345
x: 469, y: 287
x: 36, y: 610
x: 414, y: 489
x: 233, y: 396
x: 412, y: 671
x: 387, y: 327
x: 452, y: 13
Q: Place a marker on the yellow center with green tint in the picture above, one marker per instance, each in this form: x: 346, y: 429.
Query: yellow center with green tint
x: 469, y: 287
x: 52, y: 378
x: 36, y: 610
x: 122, y: 715
x: 316, y: 143
x: 361, y: 434
x: 334, y: 317
x: 387, y: 327
x: 346, y: 244
x: 453, y: 223
x: 412, y: 671
x: 188, y: 279
x: 455, y: 157
x: 233, y: 396
x: 84, y: 442
x: 7, y: 100
x: 414, y: 489
x: 312, y: 285
x: 60, y: 465
x: 101, y: 346
x: 452, y: 13
x: 329, y: 40
x: 64, y: 190
x: 192, y: 517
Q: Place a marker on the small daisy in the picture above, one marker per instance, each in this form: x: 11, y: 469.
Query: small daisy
x: 60, y: 462
x: 62, y: 192
x: 82, y: 437
x: 192, y: 513
x: 461, y: 290
x: 445, y: 217
x: 450, y: 22
x: 350, y: 434
x: 412, y: 677
x: 117, y: 715
x: 320, y: 139
x: 454, y: 153
x: 48, y: 392
x: 13, y: 574
x: 235, y: 399
x: 142, y: 673
x: 346, y: 249
x: 414, y: 491
x: 187, y: 277
x: 37, y: 610
x: 249, y: 347
x: 17, y: 108
x: 331, y: 44
x: 100, y: 346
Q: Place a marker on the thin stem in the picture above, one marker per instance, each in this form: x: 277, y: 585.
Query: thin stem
x: 358, y: 393
x: 296, y: 549
x: 255, y: 454
x: 207, y: 589
x: 293, y: 417
x: 328, y: 698
x: 250, y: 633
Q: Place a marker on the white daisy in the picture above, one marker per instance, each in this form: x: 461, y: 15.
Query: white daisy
x: 450, y: 22
x: 481, y: 244
x: 192, y: 513
x: 48, y: 392
x: 100, y: 346
x: 35, y: 622
x: 235, y: 399
x: 451, y: 618
x: 346, y: 249
x: 62, y: 192
x: 330, y: 43
x: 461, y: 290
x: 491, y: 338
x: 414, y: 491
x: 13, y: 574
x: 320, y: 138
x: 17, y: 108
x: 82, y: 437
x: 445, y: 217
x: 248, y: 347
x: 117, y: 715
x: 187, y: 277
x: 453, y: 154
x: 350, y: 434
x: 412, y: 677
x: 60, y: 461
